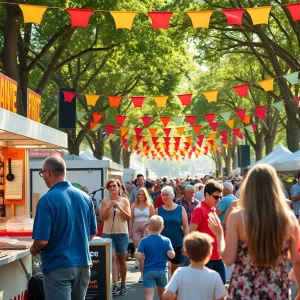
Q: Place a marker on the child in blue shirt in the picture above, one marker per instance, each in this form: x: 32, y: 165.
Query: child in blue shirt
x: 155, y: 248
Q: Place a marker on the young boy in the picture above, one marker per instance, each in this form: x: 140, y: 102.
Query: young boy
x: 196, y: 281
x: 155, y: 248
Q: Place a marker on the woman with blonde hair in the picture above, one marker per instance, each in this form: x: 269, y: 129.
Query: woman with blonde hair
x: 115, y: 212
x: 141, y: 211
x: 259, y: 235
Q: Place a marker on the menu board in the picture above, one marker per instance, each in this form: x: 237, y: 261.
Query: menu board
x: 99, y: 286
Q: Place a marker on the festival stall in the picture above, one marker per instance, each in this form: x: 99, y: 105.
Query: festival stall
x: 17, y: 135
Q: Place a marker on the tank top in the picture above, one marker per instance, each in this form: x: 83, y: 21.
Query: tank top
x: 118, y: 224
x: 172, y: 225
x: 141, y: 215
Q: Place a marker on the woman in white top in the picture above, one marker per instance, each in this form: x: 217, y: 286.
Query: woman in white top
x: 141, y: 211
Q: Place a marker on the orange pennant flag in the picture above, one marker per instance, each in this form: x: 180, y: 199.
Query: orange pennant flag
x: 200, y: 19
x: 189, y: 139
x: 212, y: 136
x: 134, y: 143
x: 247, y: 119
x: 165, y: 120
x: 33, y: 13
x: 259, y: 15
x: 230, y: 123
x: 211, y: 96
x: 97, y: 117
x: 123, y: 131
x: 161, y: 101
x: 267, y: 84
x: 114, y: 101
x: 180, y: 130
x: 91, y: 99
x: 123, y: 19
x: 197, y: 129
x: 152, y: 131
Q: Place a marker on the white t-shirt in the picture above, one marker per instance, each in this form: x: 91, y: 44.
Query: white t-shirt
x: 190, y: 283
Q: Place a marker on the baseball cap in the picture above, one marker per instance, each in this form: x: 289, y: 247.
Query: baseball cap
x: 228, y: 185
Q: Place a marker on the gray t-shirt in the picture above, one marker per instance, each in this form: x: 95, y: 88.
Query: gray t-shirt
x: 188, y: 282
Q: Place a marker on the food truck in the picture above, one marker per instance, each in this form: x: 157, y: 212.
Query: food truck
x: 18, y: 134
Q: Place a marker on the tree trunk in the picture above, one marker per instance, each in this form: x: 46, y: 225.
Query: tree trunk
x: 115, y: 149
x: 258, y: 148
x: 126, y: 157
x: 292, y: 135
x: 234, y: 157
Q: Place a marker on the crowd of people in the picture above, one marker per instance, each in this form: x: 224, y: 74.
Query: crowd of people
x: 190, y: 236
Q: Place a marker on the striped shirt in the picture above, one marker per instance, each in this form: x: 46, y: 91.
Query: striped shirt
x: 295, y: 190
x: 188, y: 206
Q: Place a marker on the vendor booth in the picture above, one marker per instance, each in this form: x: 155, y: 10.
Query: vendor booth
x: 17, y: 135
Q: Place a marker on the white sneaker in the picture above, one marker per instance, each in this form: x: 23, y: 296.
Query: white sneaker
x: 136, y: 264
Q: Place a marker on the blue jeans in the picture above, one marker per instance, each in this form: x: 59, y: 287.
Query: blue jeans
x: 218, y: 266
x: 155, y: 278
x: 119, y: 242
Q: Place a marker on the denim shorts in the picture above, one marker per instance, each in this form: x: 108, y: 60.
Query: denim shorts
x: 155, y: 278
x: 119, y: 242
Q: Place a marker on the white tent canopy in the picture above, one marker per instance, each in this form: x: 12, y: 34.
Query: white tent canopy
x: 288, y: 163
x: 279, y: 153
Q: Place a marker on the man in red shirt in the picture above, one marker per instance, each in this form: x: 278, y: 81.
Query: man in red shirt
x: 199, y: 221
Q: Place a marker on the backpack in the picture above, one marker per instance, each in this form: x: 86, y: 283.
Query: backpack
x: 36, y: 287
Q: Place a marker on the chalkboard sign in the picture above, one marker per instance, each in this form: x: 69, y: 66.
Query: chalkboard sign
x: 100, y: 282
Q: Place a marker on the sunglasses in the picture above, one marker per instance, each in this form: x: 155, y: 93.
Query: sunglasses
x: 217, y: 197
x: 41, y: 173
x: 112, y: 186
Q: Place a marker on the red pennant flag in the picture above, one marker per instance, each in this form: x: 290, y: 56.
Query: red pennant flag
x: 211, y: 142
x: 154, y: 139
x: 167, y: 141
x: 138, y: 101
x: 139, y: 137
x: 214, y: 126
x: 241, y: 113
x: 242, y: 90
x: 138, y: 131
x: 224, y: 137
x: 254, y: 127
x: 68, y: 96
x: 209, y: 117
x: 160, y: 19
x: 165, y: 120
x: 260, y: 112
x: 146, y: 121
x: 185, y: 99
x: 92, y: 125
x: 114, y: 101
x: 97, y: 117
x: 191, y: 119
x: 80, y: 17
x: 126, y: 146
x: 200, y: 139
x: 167, y: 131
x: 197, y: 128
x: 177, y: 140
x: 297, y: 99
x: 110, y: 129
x: 120, y: 120
x: 145, y: 144
x: 237, y: 132
x: 294, y: 10
x: 124, y: 141
x: 205, y: 150
x: 234, y: 16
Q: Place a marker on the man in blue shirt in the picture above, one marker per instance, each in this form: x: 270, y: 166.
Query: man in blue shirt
x: 140, y: 181
x: 64, y: 224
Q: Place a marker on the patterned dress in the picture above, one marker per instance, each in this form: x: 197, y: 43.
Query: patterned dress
x: 256, y: 283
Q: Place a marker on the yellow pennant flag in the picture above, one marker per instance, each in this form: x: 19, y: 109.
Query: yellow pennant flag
x: 247, y: 119
x: 33, y: 13
x: 230, y: 123
x: 123, y: 131
x: 152, y: 131
x: 267, y: 84
x: 212, y: 136
x: 180, y: 130
x: 91, y: 99
x: 161, y: 101
x: 127, y: 136
x: 189, y: 139
x: 211, y: 96
x: 123, y: 19
x: 200, y: 18
x: 259, y: 15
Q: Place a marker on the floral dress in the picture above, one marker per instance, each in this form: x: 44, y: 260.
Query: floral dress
x: 256, y: 283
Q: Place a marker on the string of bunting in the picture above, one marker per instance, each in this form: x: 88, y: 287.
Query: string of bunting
x: 160, y: 19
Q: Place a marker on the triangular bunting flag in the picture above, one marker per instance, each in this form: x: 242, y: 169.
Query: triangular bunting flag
x: 189, y: 139
x: 260, y: 112
x: 224, y: 137
x: 138, y: 131
x: 237, y: 132
x: 242, y: 90
x: 161, y: 101
x: 259, y: 15
x: 97, y: 117
x: 214, y: 126
x: 210, y: 117
x: 120, y: 120
x: 80, y: 115
x: 68, y: 96
x: 212, y: 136
x: 152, y: 131
x: 138, y: 101
x: 180, y: 130
x: 154, y: 139
x: 109, y: 130
x: 114, y: 101
x: 91, y: 99
x: 197, y: 129
x: 292, y: 78
x: 146, y: 121
x: 294, y: 9
x: 200, y: 19
x: 254, y: 127
x: 226, y: 116
x: 80, y: 17
x: 278, y: 105
x: 94, y: 126
x: 33, y: 13
x: 185, y: 99
x: 249, y: 128
x: 234, y: 16
x: 160, y: 19
x: 211, y: 96
x: 165, y: 120
x: 247, y: 119
x: 191, y: 119
x: 167, y: 140
x: 167, y: 131
x: 230, y: 123
x: 123, y: 19
x: 267, y: 84
x: 123, y: 131
x: 177, y: 120
x: 241, y: 113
